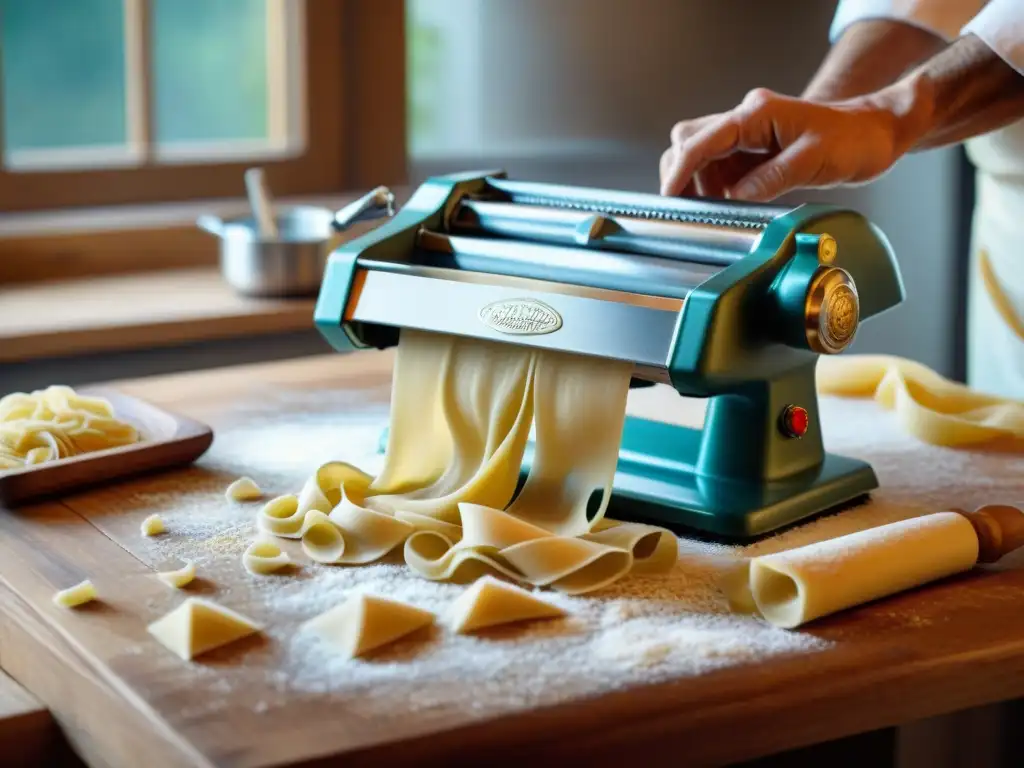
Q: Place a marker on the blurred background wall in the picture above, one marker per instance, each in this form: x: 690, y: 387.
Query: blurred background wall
x: 597, y: 84
x: 585, y: 92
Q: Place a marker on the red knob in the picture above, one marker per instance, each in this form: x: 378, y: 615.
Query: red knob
x: 794, y: 421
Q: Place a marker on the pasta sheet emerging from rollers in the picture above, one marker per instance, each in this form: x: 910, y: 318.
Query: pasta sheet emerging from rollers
x: 461, y: 415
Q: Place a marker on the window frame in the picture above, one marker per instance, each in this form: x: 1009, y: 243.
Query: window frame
x: 354, y: 127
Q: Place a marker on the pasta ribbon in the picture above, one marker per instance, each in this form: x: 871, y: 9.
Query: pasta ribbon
x: 57, y: 423
x: 461, y: 415
x: 928, y: 406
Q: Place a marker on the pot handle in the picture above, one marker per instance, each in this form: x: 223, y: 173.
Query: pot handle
x: 212, y: 224
x: 376, y: 204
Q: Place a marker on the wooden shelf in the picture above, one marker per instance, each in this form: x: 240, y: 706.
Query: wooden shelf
x: 136, y: 311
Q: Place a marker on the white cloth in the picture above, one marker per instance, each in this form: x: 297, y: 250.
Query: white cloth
x: 995, y: 351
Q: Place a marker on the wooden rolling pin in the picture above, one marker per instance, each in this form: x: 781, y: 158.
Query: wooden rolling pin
x: 999, y: 528
x: 796, y: 586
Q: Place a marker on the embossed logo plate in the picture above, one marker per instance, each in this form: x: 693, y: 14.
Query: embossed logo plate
x: 521, y: 317
x: 841, y: 315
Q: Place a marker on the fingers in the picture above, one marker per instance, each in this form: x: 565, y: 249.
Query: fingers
x: 750, y: 127
x: 665, y: 164
x: 667, y: 159
x: 680, y: 133
x: 798, y: 165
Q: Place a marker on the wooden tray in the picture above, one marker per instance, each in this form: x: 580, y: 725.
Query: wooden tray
x: 169, y: 440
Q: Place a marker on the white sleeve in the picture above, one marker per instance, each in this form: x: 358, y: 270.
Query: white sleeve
x: 1001, y: 26
x: 944, y: 18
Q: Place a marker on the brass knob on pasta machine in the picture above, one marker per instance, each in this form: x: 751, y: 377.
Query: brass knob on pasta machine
x: 831, y: 310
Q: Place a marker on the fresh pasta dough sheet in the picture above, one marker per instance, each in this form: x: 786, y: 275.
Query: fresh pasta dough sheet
x: 461, y: 414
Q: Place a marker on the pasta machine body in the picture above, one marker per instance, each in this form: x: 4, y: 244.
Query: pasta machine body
x: 721, y: 300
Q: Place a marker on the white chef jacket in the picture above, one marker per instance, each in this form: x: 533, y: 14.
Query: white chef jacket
x: 995, y: 322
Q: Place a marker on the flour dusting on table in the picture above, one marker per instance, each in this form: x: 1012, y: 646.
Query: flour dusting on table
x: 640, y: 630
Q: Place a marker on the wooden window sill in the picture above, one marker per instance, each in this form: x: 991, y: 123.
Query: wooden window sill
x: 136, y: 311
x: 87, y: 243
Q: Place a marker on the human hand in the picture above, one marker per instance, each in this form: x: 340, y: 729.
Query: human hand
x: 771, y: 144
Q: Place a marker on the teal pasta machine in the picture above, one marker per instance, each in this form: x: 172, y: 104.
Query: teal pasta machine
x: 719, y: 299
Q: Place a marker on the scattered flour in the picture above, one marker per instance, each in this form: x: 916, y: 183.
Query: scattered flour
x: 638, y: 631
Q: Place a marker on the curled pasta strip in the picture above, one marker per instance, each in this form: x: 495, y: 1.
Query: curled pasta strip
x: 282, y: 517
x: 654, y: 550
x: 497, y: 541
x: 369, y: 535
x: 339, y: 524
x: 330, y: 483
x: 419, y: 522
x: 358, y: 534
x: 322, y: 540
x: 462, y: 411
x: 933, y: 409
x: 263, y: 557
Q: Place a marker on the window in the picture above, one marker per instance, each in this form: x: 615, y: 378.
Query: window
x: 113, y: 102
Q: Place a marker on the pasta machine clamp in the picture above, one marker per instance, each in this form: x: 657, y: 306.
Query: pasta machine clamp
x: 721, y: 300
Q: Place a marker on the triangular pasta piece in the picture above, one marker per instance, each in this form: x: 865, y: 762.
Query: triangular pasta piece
x: 198, y: 625
x: 490, y: 602
x: 365, y: 622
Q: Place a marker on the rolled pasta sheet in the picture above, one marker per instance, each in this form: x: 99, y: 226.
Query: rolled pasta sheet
x: 282, y: 517
x: 797, y: 586
x: 322, y: 540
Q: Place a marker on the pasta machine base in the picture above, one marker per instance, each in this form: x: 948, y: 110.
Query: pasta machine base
x: 658, y: 481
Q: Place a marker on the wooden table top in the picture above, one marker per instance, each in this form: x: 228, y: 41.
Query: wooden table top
x: 124, y: 701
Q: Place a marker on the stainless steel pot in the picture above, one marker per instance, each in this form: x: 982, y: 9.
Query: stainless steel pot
x: 292, y: 264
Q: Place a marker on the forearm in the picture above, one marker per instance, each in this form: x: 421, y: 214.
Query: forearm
x: 967, y: 90
x: 871, y: 55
